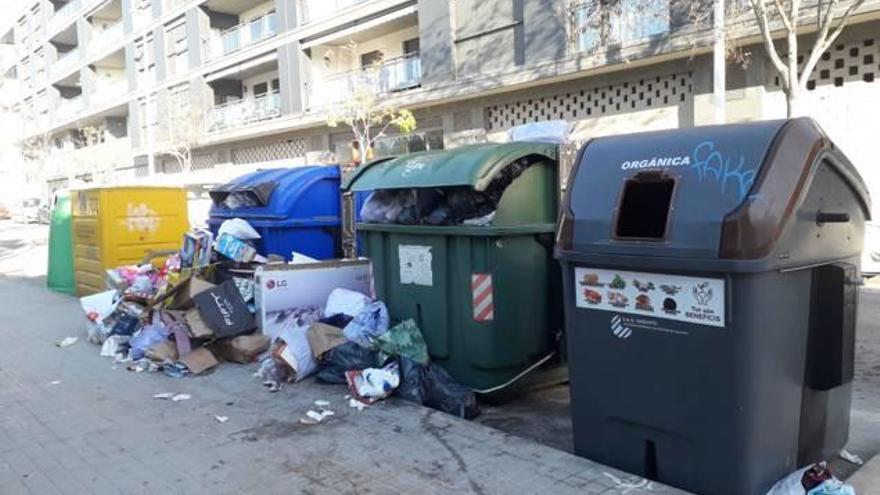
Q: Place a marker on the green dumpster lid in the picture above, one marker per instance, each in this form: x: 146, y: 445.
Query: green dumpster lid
x: 474, y: 165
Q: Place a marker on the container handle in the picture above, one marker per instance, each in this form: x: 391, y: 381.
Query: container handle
x: 826, y: 217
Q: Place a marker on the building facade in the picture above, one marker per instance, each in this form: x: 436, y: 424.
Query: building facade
x: 103, y: 82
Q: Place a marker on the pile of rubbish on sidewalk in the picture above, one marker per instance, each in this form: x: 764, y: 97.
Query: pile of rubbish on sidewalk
x: 217, y: 300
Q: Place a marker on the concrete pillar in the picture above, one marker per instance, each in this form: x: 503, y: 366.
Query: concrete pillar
x: 290, y: 78
x: 127, y: 24
x: 544, y: 30
x: 195, y: 33
x: 130, y: 68
x: 286, y: 14
x: 436, y: 40
x: 87, y: 83
x: 159, y: 41
x: 134, y: 124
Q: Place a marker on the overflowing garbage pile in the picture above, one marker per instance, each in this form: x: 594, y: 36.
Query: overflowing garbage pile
x: 458, y: 205
x: 216, y: 300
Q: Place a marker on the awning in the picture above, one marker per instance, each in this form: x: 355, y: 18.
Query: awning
x: 475, y: 165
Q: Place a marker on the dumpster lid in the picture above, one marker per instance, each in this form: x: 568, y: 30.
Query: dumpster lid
x: 270, y: 193
x: 474, y: 165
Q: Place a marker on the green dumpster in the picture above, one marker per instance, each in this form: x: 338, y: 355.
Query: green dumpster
x: 59, y: 276
x: 486, y: 297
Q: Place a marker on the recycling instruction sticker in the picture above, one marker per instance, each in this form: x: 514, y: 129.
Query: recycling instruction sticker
x: 689, y: 299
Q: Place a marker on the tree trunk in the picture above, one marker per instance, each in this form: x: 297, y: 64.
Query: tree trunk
x: 793, y: 103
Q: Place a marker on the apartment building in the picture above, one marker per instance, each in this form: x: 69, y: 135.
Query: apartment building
x: 257, y: 78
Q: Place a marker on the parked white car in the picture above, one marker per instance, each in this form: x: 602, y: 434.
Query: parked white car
x: 871, y: 252
x: 28, y: 211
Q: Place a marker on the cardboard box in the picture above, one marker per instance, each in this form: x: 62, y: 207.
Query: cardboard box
x: 198, y: 329
x: 242, y: 349
x: 184, y: 292
x: 323, y: 337
x: 289, y: 293
x: 199, y: 360
x: 235, y: 249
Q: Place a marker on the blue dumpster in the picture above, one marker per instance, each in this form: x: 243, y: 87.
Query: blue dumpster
x: 293, y: 209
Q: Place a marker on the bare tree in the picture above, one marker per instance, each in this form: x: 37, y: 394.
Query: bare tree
x: 830, y: 22
x: 366, y: 109
x: 185, y: 128
x: 36, y: 151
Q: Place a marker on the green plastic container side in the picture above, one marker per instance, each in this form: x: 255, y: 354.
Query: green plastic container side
x: 516, y: 251
x: 60, y: 273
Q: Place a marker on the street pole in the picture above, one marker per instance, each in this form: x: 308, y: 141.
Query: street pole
x: 719, y: 76
x: 150, y: 115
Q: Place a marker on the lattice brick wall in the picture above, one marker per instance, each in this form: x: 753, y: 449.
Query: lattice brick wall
x: 633, y: 95
x: 267, y: 152
x: 848, y: 62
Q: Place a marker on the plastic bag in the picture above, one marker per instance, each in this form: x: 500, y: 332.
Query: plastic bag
x: 238, y: 228
x: 815, y: 479
x: 371, y: 384
x: 346, y: 302
x: 98, y: 308
x: 370, y: 323
x: 147, y: 337
x: 832, y: 487
x: 432, y: 386
x: 550, y: 131
x: 298, y: 354
x: 404, y: 339
x: 346, y: 357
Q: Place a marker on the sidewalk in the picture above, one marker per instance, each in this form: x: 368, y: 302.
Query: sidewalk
x: 98, y: 430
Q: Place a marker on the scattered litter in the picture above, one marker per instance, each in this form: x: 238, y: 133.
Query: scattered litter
x: 164, y: 396
x: 67, y: 341
x: 315, y: 417
x: 372, y: 384
x: 322, y: 403
x: 180, y: 397
x: 221, y: 419
x: 851, y: 458
x: 56, y: 382
x: 628, y: 486
x: 355, y: 404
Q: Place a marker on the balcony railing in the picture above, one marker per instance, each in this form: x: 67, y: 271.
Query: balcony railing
x: 64, y: 14
x: 245, y: 34
x: 106, y: 38
x: 627, y: 21
x: 68, y: 108
x: 315, y: 10
x: 391, y: 76
x: 65, y: 62
x: 244, y: 112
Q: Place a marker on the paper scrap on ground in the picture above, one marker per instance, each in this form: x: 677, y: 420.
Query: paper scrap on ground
x: 315, y: 417
x: 164, y: 396
x: 180, y: 397
x: 322, y: 403
x: 66, y: 341
x: 851, y: 458
x: 356, y: 404
x: 56, y: 382
x: 221, y: 419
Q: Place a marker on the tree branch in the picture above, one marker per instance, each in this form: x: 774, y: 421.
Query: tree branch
x: 825, y: 40
x: 785, y: 19
x: 761, y: 15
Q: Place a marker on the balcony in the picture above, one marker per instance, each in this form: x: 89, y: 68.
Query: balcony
x: 242, y: 35
x: 244, y: 112
x: 106, y: 38
x: 106, y: 92
x: 65, y: 63
x: 64, y: 14
x: 69, y: 108
x: 391, y: 76
x: 626, y: 23
x: 315, y: 10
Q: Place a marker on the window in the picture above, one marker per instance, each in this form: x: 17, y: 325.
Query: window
x: 261, y: 89
x: 370, y: 59
x: 411, y: 47
x: 628, y: 20
x: 176, y: 49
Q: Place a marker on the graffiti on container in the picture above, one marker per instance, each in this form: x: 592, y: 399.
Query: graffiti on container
x: 725, y: 171
x: 141, y: 218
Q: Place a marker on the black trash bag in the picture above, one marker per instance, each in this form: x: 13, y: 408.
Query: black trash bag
x: 432, y: 386
x: 442, y: 215
x: 468, y: 203
x: 338, y: 320
x: 442, y: 392
x: 126, y: 325
x: 412, y: 378
x: 348, y: 356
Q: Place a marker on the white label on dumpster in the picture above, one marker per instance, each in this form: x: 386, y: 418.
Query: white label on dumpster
x: 415, y: 265
x: 688, y: 299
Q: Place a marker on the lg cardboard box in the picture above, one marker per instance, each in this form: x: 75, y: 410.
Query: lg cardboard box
x: 295, y: 295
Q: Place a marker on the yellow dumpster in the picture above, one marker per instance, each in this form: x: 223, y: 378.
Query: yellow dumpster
x: 115, y: 226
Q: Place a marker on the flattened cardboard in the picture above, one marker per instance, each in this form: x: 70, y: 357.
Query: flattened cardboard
x: 242, y: 349
x: 198, y: 329
x: 223, y: 309
x: 323, y: 337
x: 199, y: 360
x: 187, y: 289
x: 164, y: 351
